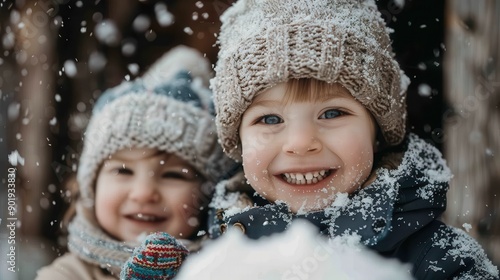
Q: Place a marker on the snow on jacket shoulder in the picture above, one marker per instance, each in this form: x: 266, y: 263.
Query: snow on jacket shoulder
x: 442, y: 252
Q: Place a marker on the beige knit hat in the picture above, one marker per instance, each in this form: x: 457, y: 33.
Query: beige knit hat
x: 263, y: 43
x: 166, y: 109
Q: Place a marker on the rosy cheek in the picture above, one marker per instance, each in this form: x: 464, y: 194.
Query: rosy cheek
x: 249, y: 151
x: 257, y: 139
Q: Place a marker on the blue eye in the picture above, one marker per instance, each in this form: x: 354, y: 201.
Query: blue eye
x: 271, y: 119
x: 330, y: 114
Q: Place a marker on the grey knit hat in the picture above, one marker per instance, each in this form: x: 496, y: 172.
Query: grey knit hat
x: 166, y: 109
x: 263, y: 43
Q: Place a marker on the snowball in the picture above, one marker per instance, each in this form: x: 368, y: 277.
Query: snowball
x: 298, y: 253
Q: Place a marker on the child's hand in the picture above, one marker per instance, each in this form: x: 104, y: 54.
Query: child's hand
x: 159, y: 257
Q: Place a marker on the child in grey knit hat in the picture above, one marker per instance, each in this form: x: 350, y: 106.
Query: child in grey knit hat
x: 150, y: 160
x: 311, y: 100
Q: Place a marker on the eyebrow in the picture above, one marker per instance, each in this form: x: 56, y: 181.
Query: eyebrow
x: 332, y: 93
x: 267, y: 103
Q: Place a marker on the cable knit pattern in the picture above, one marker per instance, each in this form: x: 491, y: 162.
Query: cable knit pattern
x: 175, y: 116
x: 148, y: 120
x: 94, y: 246
x: 263, y: 43
x: 159, y: 257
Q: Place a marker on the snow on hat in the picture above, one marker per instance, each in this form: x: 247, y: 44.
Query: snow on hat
x: 165, y: 109
x: 263, y: 43
x: 159, y: 257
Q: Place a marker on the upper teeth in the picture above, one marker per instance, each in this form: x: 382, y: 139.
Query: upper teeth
x: 305, y: 178
x: 145, y: 217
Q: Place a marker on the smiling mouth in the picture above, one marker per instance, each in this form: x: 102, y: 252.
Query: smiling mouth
x: 307, y: 178
x: 146, y: 218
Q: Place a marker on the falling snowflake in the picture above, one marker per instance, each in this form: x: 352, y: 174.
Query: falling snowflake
x: 15, y: 158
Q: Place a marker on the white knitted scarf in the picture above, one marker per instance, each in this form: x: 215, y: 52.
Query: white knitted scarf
x: 94, y: 246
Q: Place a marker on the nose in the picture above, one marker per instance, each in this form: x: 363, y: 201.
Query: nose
x: 144, y: 190
x: 301, y: 140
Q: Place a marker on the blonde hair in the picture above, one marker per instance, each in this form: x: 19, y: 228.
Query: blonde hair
x: 301, y: 90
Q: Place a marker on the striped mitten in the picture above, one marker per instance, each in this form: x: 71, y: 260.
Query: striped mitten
x: 159, y: 257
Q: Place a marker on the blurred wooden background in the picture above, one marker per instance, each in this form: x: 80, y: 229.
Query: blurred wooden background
x: 57, y: 56
x: 471, y: 121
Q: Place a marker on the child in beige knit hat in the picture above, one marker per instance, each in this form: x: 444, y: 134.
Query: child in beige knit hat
x: 150, y: 160
x: 310, y: 99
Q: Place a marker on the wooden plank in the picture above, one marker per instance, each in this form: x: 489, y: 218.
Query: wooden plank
x: 472, y: 123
